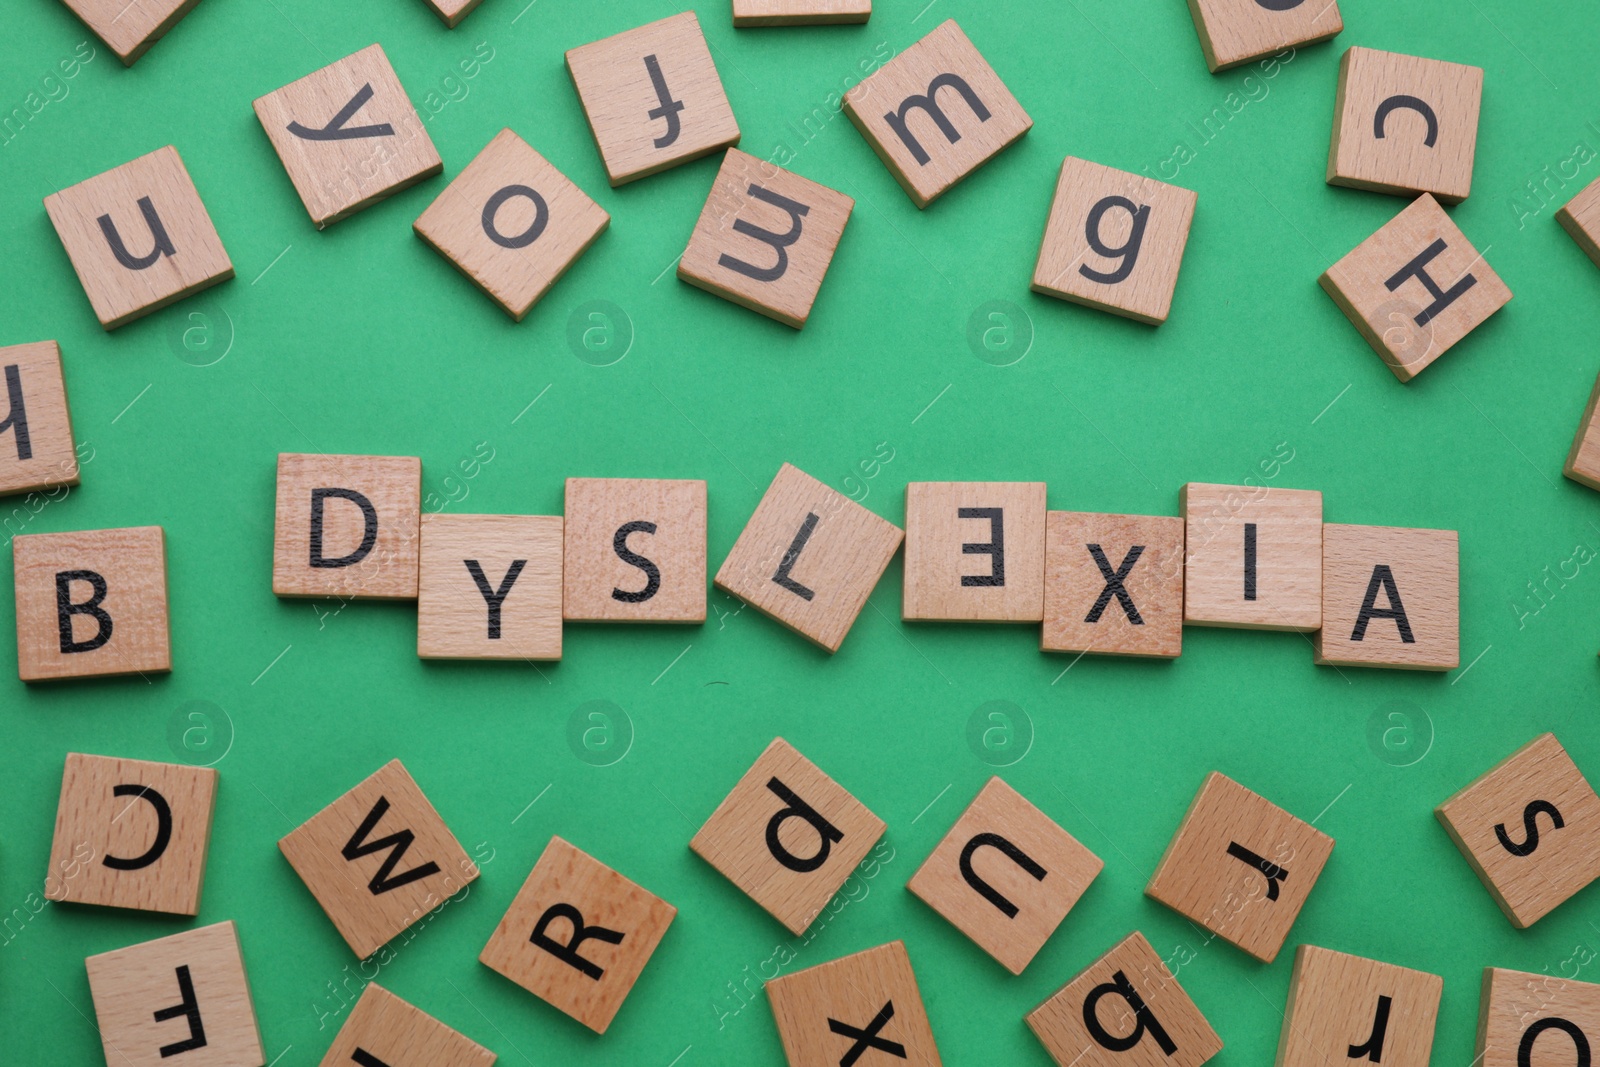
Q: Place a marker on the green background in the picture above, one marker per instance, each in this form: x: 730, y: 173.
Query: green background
x: 361, y: 339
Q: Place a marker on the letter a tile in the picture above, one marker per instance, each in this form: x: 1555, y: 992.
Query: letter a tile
x: 1537, y: 1020
x: 1346, y: 1009
x: 1391, y: 597
x: 864, y: 1008
x: 36, y: 447
x: 385, y: 1031
x: 347, y: 526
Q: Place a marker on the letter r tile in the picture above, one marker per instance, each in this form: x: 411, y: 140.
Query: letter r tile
x: 1347, y: 1009
x: 347, y: 527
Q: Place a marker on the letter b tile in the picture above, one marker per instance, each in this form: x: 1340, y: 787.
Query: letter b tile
x: 347, y: 526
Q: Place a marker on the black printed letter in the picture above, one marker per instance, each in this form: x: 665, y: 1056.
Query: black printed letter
x: 1144, y: 1021
x: 792, y: 556
x: 1012, y: 853
x: 1249, y: 561
x: 1530, y: 823
x: 897, y: 119
x: 652, y: 573
x: 780, y: 242
x: 1531, y: 1034
x: 827, y: 833
x: 66, y: 609
x: 995, y: 547
x: 669, y: 107
x: 1383, y: 578
x: 541, y: 217
x: 1129, y: 251
x: 397, y: 844
x: 1273, y: 872
x: 1114, y: 586
x: 163, y: 828
x: 1395, y: 103
x: 369, y: 533
x: 568, y: 953
x: 492, y: 596
x: 1373, y: 1049
x: 336, y: 130
x: 187, y: 1008
x: 17, y: 414
x: 1418, y: 269
x: 163, y: 245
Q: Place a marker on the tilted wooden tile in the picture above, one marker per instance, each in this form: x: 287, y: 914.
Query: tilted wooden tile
x: 489, y: 587
x: 347, y: 135
x: 1005, y: 875
x: 139, y: 237
x: 635, y: 550
x: 1253, y: 556
x: 974, y: 551
x: 578, y: 935
x: 1236, y: 31
x: 451, y: 12
x: 130, y: 27
x: 1114, y: 241
x: 902, y: 114
x: 91, y: 603
x: 788, y: 835
x: 1113, y: 584
x: 809, y: 557
x: 1583, y: 460
x: 36, y: 446
x: 1345, y: 1008
x: 765, y: 238
x: 1530, y: 828
x: 385, y: 1031
x: 1415, y: 288
x: 173, y: 996
x: 1536, y: 1020
x: 799, y: 12
x: 1391, y: 597
x: 1125, y: 1009
x: 1240, y: 866
x: 378, y: 859
x: 347, y: 526
x: 653, y: 97
x: 1580, y: 217
x: 862, y: 1008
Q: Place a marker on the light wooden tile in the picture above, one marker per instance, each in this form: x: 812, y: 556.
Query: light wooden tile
x: 788, y: 835
x: 36, y: 446
x: 139, y: 237
x: 765, y: 238
x: 1580, y: 217
x: 1240, y: 866
x: 347, y: 526
x: 653, y: 97
x: 1583, y: 460
x: 385, y: 1031
x: 1126, y: 1009
x: 864, y: 1008
x: 378, y: 859
x: 1530, y: 828
x: 91, y: 603
x: 1253, y: 557
x: 1233, y: 32
x: 974, y: 551
x: 168, y: 998
x: 1391, y: 597
x: 578, y: 935
x: 1345, y: 1008
x: 1005, y: 875
x: 799, y: 12
x: 1113, y: 584
x: 451, y: 12
x: 1536, y: 1020
x: 635, y: 550
x: 347, y: 135
x: 130, y: 27
x: 489, y: 587
x: 809, y: 557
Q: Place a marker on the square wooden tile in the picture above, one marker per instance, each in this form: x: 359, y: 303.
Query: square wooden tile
x: 91, y: 603
x: 1113, y: 584
x: 799, y: 12
x: 383, y: 1029
x: 1530, y: 828
x: 935, y: 113
x: 139, y: 237
x: 864, y: 1008
x: 1240, y: 866
x: 36, y: 446
x: 1233, y: 32
x: 348, y: 136
x: 1536, y: 1020
x: 809, y: 557
x: 1253, y: 557
x: 1391, y: 597
x: 130, y: 27
x: 765, y: 238
x: 974, y: 551
x: 378, y: 859
x: 173, y: 996
x: 1415, y: 288
x: 451, y: 12
x: 1346, y: 1008
x: 347, y: 526
x: 1125, y: 1009
x: 578, y: 935
x: 489, y: 587
x: 1005, y: 875
x: 635, y: 550
x: 1580, y: 217
x: 653, y: 97
x: 788, y: 835
x: 1405, y: 125
x: 1583, y: 460
x: 1114, y: 241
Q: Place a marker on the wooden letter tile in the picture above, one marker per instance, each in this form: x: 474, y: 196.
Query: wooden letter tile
x: 451, y: 12
x: 378, y: 859
x: 91, y: 603
x: 1536, y: 1020
x: 799, y: 12
x: 974, y: 551
x: 1233, y: 32
x: 1583, y: 461
x: 1113, y: 584
x: 1253, y: 557
x: 635, y: 550
x: 384, y: 1030
x: 578, y: 935
x: 1347, y: 1009
x: 788, y: 835
x: 173, y: 996
x: 765, y: 238
x: 809, y: 557
x: 130, y: 27
x: 489, y: 587
x: 1391, y: 597
x: 1114, y: 241
x: 1005, y: 875
x: 1580, y: 217
x: 36, y: 447
x: 935, y: 113
x: 139, y: 237
x: 864, y: 1008
x: 347, y: 526
x: 1124, y: 1010
x: 348, y: 136
x: 1530, y: 828
x: 1240, y: 866
x: 653, y: 97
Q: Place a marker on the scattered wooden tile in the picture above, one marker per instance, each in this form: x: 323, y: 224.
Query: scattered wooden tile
x: 1530, y: 828
x: 653, y: 97
x: 1521, y: 1014
x: 1346, y: 1008
x: 1233, y: 32
x: 383, y: 1029
x: 130, y: 27
x: 1580, y: 217
x: 1240, y: 866
x: 489, y: 587
x: 809, y: 557
x: 139, y: 237
x: 788, y: 835
x: 1113, y: 584
x: 1391, y: 597
x: 348, y: 136
x: 974, y: 551
x: 862, y: 1008
x: 1253, y: 557
x: 635, y: 550
x: 451, y: 12
x: 378, y: 859
x: 347, y: 526
x: 1583, y: 460
x: 578, y: 935
x: 36, y: 446
x: 799, y: 12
